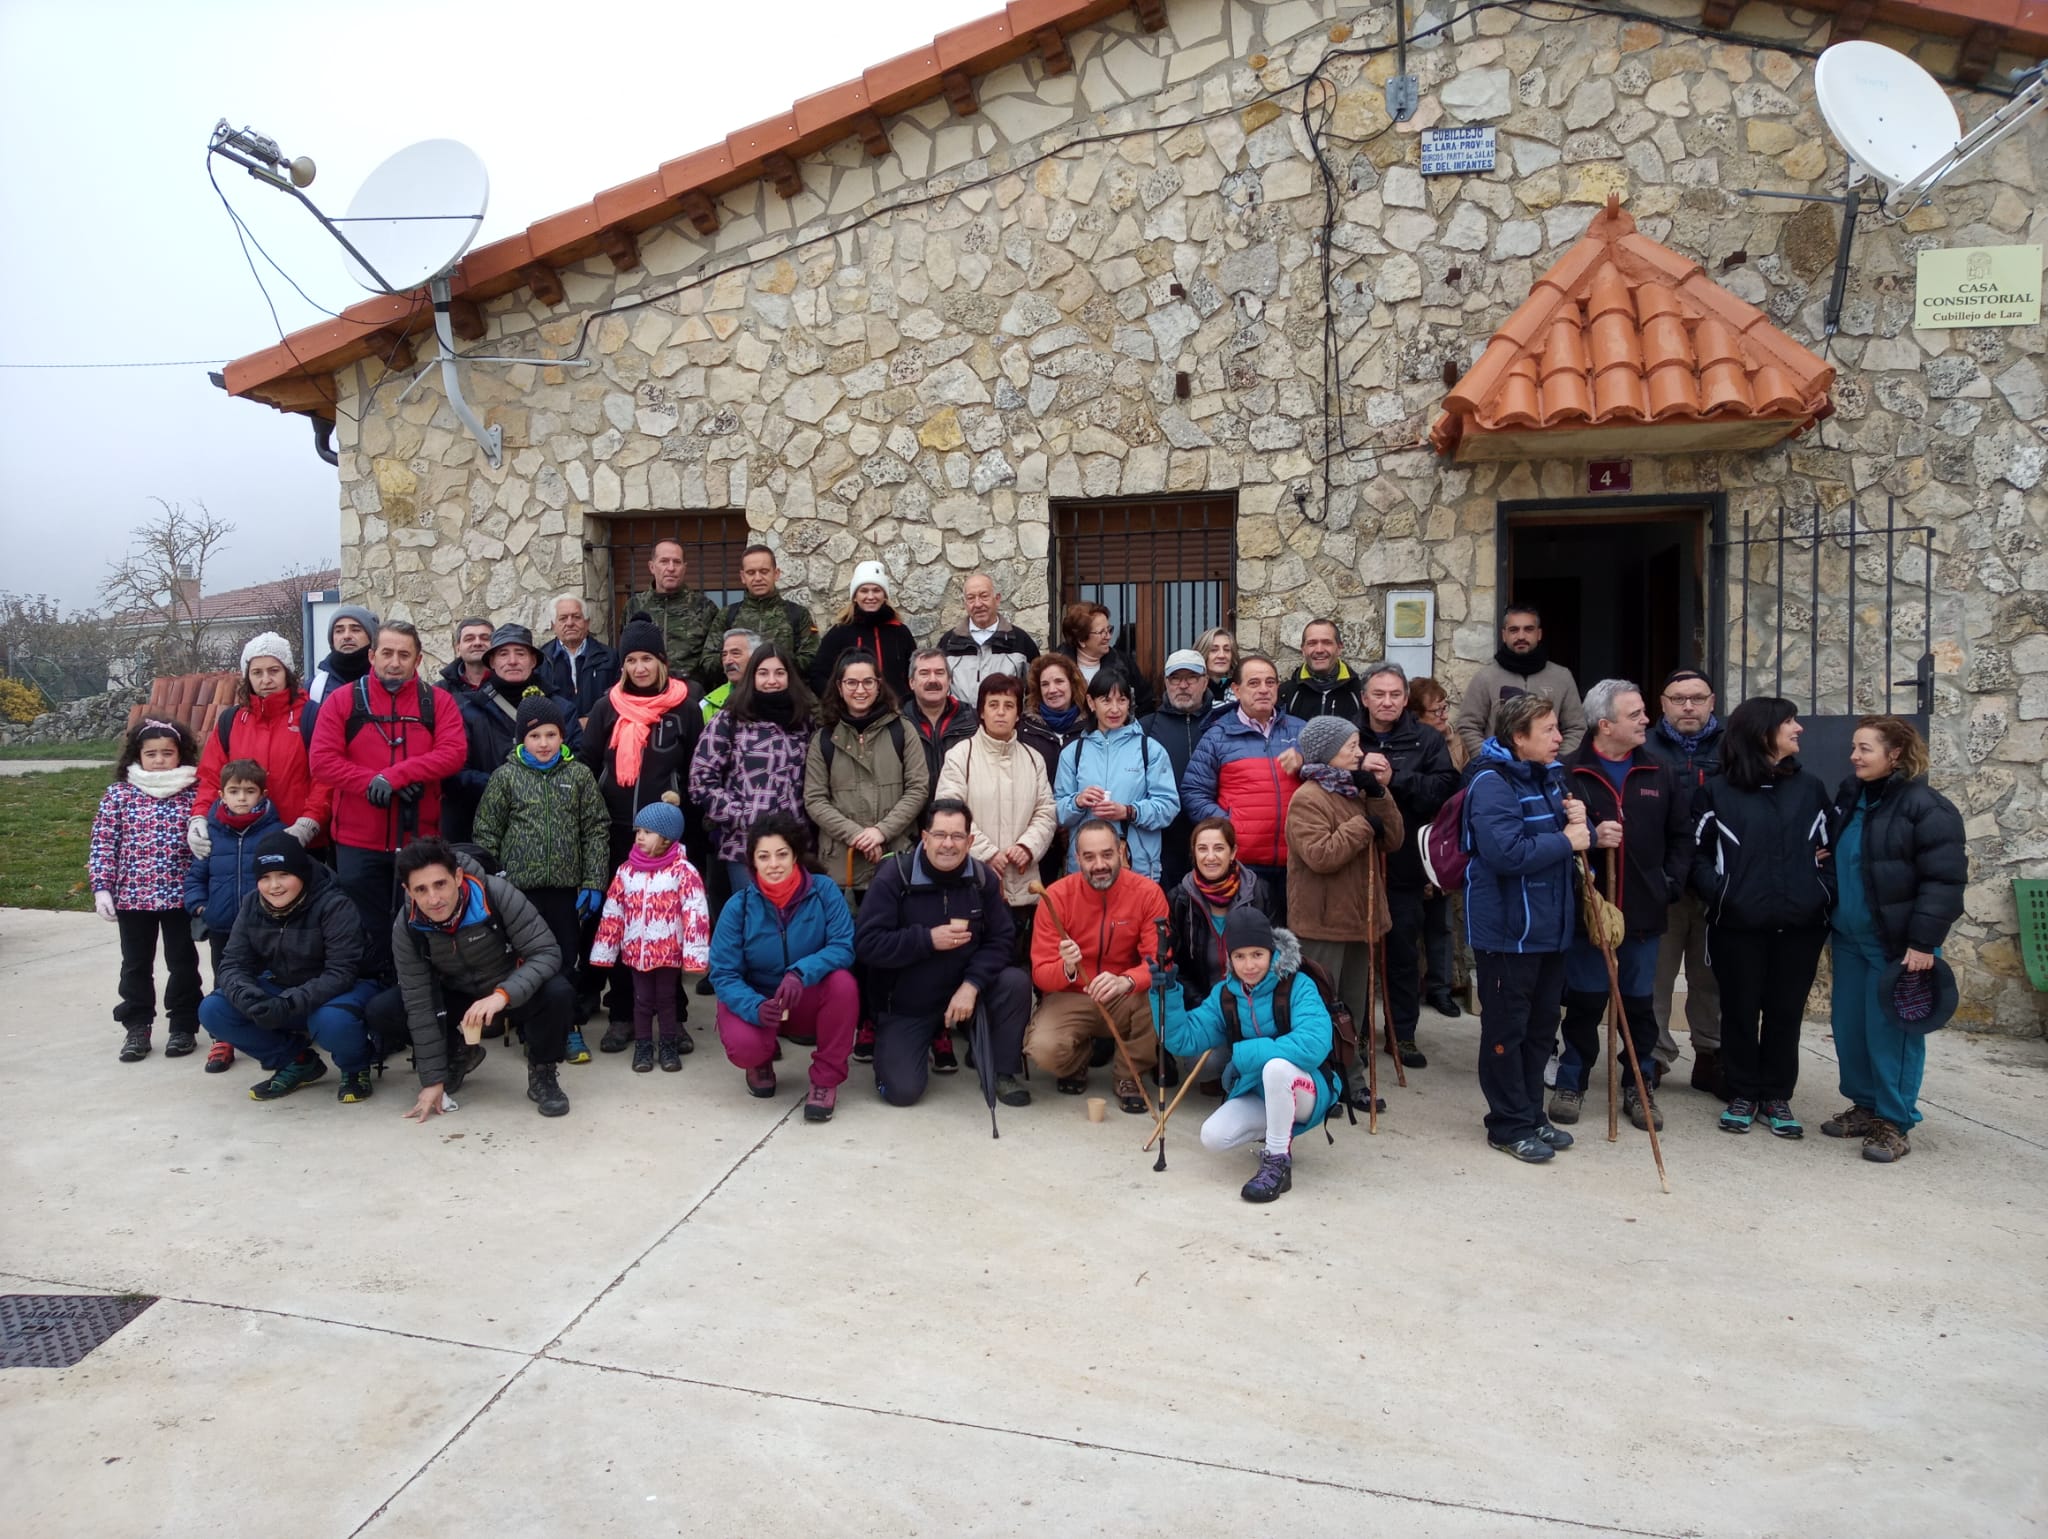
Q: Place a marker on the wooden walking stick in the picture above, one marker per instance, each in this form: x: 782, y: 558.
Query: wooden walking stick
x: 1187, y: 1083
x: 1379, y: 952
x: 1368, y: 1036
x: 1123, y: 1053
x: 1615, y: 1012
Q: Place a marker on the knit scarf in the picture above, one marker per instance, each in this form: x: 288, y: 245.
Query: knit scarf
x: 562, y: 757
x: 162, y: 783
x: 1689, y: 741
x: 637, y: 716
x: 1059, y: 721
x: 1337, y: 782
x: 1523, y: 664
x: 643, y: 862
x: 1223, y: 894
x: 777, y: 706
x: 784, y: 894
x: 237, y: 821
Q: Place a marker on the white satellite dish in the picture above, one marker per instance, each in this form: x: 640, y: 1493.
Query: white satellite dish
x: 415, y: 215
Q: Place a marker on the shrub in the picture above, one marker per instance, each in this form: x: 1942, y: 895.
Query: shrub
x: 20, y: 702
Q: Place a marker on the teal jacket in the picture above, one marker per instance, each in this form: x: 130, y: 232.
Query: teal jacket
x: 1134, y: 770
x: 1306, y: 1045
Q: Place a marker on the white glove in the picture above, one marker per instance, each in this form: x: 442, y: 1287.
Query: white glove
x: 103, y: 905
x: 197, y: 839
x: 305, y: 830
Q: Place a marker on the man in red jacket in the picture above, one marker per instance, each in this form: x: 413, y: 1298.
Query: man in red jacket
x: 385, y: 746
x: 1091, y: 959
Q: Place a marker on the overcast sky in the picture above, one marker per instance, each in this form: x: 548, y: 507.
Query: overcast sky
x: 115, y: 249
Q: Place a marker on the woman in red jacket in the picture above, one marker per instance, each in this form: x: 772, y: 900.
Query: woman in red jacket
x: 265, y: 726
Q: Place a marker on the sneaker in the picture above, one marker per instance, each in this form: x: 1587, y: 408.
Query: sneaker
x: 462, y: 1065
x: 300, y: 1072
x: 1410, y: 1055
x: 943, y: 1061
x: 544, y: 1089
x: 576, y: 1052
x: 1706, y: 1072
x: 1010, y: 1093
x: 1130, y: 1097
x: 685, y: 1043
x: 1557, y: 1138
x: 1885, y: 1143
x: 643, y: 1056
x: 1739, y: 1117
x: 1640, y: 1112
x: 355, y: 1086
x: 1779, y: 1119
x: 761, y: 1081
x: 179, y: 1044
x: 819, y: 1103
x: 135, y: 1046
x: 1564, y: 1106
x: 1442, y: 1003
x: 1851, y: 1122
x: 1274, y: 1176
x: 618, y: 1036
x: 864, y: 1042
x: 669, y: 1055
x: 1530, y: 1151
x: 220, y: 1058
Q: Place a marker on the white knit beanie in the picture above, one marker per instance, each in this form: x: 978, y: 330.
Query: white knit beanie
x: 869, y: 572
x: 269, y: 644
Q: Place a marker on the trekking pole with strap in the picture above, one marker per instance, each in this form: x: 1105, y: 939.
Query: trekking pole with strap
x: 1605, y: 924
x: 1163, y: 960
x: 1379, y: 879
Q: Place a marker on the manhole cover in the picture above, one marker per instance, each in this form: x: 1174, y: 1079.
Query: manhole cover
x: 55, y: 1330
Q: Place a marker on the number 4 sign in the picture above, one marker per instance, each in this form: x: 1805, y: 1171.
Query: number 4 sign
x: 1608, y: 475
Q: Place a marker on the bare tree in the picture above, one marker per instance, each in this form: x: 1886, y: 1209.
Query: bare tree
x: 153, y: 593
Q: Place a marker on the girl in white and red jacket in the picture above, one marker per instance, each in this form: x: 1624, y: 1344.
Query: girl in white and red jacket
x: 137, y: 870
x: 656, y: 922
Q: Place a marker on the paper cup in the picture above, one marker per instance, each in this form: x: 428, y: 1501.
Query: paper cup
x: 959, y: 924
x: 472, y: 1034
x: 1098, y: 1108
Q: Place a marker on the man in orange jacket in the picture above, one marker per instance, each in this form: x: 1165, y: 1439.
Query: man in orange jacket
x: 1091, y: 959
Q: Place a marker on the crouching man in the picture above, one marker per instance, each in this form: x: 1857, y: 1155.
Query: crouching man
x: 936, y: 936
x: 472, y: 953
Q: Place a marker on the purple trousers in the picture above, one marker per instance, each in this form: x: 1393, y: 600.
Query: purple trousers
x: 828, y: 1011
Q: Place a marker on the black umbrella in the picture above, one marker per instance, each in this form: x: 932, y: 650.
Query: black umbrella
x: 985, y: 1064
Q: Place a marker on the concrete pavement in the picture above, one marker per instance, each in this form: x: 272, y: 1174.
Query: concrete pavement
x: 683, y: 1311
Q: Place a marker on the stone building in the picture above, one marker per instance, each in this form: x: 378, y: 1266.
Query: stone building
x: 1153, y: 302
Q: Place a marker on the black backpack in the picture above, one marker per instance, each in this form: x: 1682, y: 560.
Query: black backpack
x: 1342, y: 1059
x: 362, y: 713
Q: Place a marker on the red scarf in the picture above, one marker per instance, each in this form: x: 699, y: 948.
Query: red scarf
x: 637, y: 716
x: 784, y: 894
x: 241, y: 820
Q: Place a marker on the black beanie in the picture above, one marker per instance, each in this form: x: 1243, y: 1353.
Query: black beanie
x: 643, y: 635
x: 279, y: 851
x: 536, y: 711
x: 1246, y: 926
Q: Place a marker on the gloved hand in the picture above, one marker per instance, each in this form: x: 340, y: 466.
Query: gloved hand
x: 784, y: 1000
x: 198, y: 838
x: 589, y: 903
x: 412, y: 793
x: 266, y: 1012
x: 305, y: 830
x: 1167, y: 977
x: 103, y: 905
x: 379, y: 792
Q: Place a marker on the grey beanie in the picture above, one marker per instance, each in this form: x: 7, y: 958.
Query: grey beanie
x: 354, y: 612
x: 1322, y: 739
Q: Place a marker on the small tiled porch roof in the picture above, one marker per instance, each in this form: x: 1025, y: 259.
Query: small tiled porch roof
x: 1626, y: 345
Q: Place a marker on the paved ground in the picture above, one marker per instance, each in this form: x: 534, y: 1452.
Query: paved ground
x: 681, y: 1311
x: 41, y: 766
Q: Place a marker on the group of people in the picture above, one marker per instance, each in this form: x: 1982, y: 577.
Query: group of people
x: 862, y: 846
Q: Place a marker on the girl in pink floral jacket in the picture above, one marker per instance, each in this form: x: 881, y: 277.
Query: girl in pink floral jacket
x: 656, y: 922
x: 137, y: 869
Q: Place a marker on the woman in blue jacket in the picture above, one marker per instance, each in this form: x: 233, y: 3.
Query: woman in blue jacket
x: 1523, y: 835
x: 780, y: 965
x: 1274, y: 1083
x: 1117, y: 774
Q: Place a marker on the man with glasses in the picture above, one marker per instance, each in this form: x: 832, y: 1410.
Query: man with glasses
x: 1247, y: 768
x: 1687, y: 742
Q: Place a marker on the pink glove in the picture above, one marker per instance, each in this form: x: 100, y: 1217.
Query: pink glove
x: 784, y: 1000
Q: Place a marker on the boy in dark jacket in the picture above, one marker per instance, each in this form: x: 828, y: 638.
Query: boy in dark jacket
x: 236, y: 825
x: 937, y: 937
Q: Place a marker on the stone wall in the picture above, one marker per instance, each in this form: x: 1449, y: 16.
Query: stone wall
x: 917, y: 355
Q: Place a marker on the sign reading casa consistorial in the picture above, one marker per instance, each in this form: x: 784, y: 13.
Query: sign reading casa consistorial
x: 1978, y: 286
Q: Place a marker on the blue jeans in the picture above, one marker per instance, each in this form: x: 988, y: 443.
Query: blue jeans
x: 1881, y: 1065
x: 336, y: 1026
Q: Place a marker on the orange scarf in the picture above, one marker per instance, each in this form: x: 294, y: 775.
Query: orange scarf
x: 637, y: 716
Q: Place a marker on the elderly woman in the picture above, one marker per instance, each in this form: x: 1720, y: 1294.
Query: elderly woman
x: 1900, y: 868
x: 1004, y: 786
x: 1088, y: 636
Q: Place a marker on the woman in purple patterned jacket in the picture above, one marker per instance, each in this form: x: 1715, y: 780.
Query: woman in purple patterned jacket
x: 750, y: 761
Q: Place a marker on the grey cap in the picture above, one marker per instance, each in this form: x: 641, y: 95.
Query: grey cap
x: 511, y: 636
x: 1186, y: 660
x: 1322, y: 739
x: 354, y: 612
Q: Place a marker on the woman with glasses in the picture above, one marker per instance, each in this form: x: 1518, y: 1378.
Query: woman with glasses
x: 1089, y: 638
x: 864, y: 781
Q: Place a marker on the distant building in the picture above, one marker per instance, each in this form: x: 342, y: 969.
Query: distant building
x: 224, y: 621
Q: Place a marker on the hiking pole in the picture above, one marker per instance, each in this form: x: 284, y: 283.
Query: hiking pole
x: 1615, y: 1028
x: 1123, y: 1053
x: 1371, y: 1036
x: 1379, y: 877
x: 1163, y: 959
x: 1187, y: 1083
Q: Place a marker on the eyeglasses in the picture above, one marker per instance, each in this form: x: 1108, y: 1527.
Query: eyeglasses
x: 938, y: 837
x: 1441, y: 709
x: 1689, y: 699
x: 857, y: 684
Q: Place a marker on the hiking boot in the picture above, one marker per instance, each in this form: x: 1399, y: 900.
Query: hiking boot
x: 220, y: 1058
x: 462, y: 1064
x: 761, y: 1081
x: 544, y: 1089
x: 1706, y: 1072
x: 1643, y: 1114
x: 493, y: 1030
x: 1274, y: 1176
x: 943, y: 1061
x: 135, y: 1046
x: 1410, y: 1055
x: 819, y: 1103
x: 1885, y: 1143
x: 355, y: 1086
x: 1779, y: 1119
x: 1564, y: 1106
x: 1101, y: 1052
x: 864, y: 1042
x: 1557, y: 1138
x: 576, y: 1051
x: 618, y: 1036
x: 1851, y: 1122
x: 1130, y: 1097
x: 1071, y: 1084
x: 179, y: 1044
x: 1010, y: 1093
x: 1442, y: 1003
x: 1740, y: 1115
x: 1213, y: 1089
x: 643, y: 1056
x: 669, y: 1055
x: 685, y: 1043
x: 300, y: 1072
x: 1530, y: 1151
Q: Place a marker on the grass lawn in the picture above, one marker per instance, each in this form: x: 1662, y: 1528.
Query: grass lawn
x: 110, y: 750
x: 45, y: 827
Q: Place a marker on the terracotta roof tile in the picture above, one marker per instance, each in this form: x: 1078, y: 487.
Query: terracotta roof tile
x: 1624, y: 331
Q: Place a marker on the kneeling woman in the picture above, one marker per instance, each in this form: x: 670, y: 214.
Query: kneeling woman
x: 780, y: 960
x: 1274, y: 1046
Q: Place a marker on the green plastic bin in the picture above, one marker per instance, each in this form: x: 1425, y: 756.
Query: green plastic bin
x: 2031, y: 899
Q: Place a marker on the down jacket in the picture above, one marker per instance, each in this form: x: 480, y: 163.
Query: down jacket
x: 884, y: 639
x: 1306, y: 1045
x: 1758, y: 865
x: 1116, y: 930
x: 1656, y: 835
x: 219, y: 883
x: 138, y: 851
x: 755, y: 944
x: 1235, y: 773
x: 868, y: 784
x: 497, y: 940
x: 655, y: 915
x: 1005, y: 788
x: 1519, y: 888
x: 1916, y: 861
x: 1007, y: 651
x: 1135, y: 771
x: 395, y: 744
x: 271, y: 730
x: 313, y: 953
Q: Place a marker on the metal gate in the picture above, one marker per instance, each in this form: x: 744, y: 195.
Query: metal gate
x: 1164, y: 568
x: 1827, y: 610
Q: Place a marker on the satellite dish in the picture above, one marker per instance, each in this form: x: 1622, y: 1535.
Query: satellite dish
x: 1889, y: 115
x: 415, y: 215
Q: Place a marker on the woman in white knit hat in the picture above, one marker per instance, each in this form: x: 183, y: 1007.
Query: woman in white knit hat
x: 867, y: 624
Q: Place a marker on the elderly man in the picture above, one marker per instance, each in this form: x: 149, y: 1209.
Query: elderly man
x: 468, y: 671
x: 981, y: 645
x: 576, y: 664
x: 1091, y: 954
x: 489, y: 717
x: 1687, y: 742
x: 474, y: 957
x: 688, y: 620
x: 936, y: 939
x: 1520, y: 666
x: 1412, y: 762
x: 941, y: 720
x: 1247, y: 768
x: 1324, y: 685
x: 1177, y: 726
x: 1642, y: 855
x: 766, y: 613
x: 733, y: 652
